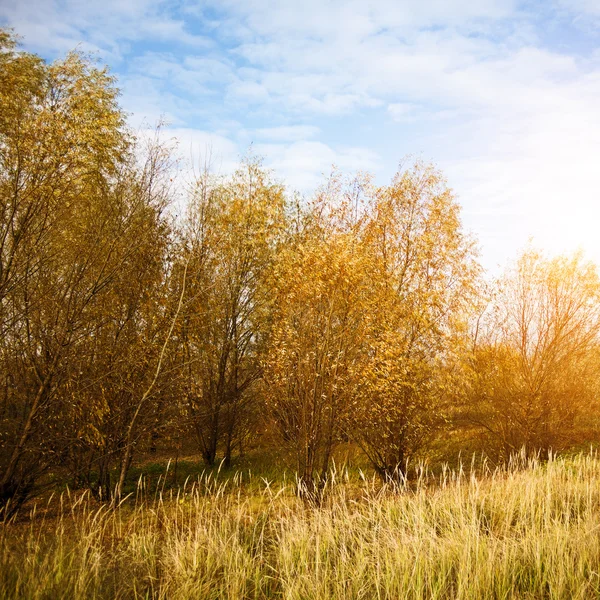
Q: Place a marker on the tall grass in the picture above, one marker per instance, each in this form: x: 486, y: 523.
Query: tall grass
x: 523, y: 532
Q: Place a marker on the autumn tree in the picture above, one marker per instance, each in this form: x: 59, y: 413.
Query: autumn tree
x: 117, y: 364
x: 318, y: 326
x: 76, y: 221
x: 229, y: 239
x: 535, y: 357
x: 422, y: 273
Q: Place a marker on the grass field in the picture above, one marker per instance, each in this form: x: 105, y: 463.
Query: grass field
x: 527, y: 531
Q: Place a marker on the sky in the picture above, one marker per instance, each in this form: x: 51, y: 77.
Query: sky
x: 503, y: 95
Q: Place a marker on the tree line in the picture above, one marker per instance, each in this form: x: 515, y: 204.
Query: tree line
x: 359, y: 315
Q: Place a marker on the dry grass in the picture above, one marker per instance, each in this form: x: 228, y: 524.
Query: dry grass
x: 530, y: 532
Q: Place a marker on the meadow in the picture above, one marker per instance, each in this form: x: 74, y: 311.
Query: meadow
x: 527, y: 530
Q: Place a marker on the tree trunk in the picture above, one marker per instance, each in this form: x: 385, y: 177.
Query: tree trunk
x: 8, y: 487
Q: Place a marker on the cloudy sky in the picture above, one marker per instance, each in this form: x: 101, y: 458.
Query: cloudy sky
x: 503, y: 95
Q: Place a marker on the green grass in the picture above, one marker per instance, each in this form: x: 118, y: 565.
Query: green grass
x: 523, y: 532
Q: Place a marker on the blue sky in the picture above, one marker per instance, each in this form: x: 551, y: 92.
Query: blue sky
x: 503, y: 95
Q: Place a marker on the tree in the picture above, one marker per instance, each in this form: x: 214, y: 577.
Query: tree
x: 318, y: 326
x: 116, y: 386
x: 229, y: 240
x: 76, y: 221
x: 535, y: 360
x: 422, y: 273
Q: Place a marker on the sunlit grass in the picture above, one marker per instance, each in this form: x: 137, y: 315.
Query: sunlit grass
x: 523, y: 532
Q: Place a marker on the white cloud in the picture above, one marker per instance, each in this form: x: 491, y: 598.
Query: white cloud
x: 402, y: 111
x: 531, y: 170
x: 286, y: 133
x: 147, y: 103
x: 248, y: 91
x: 591, y: 7
x: 198, y: 148
x: 106, y: 26
x: 357, y: 18
x: 305, y: 164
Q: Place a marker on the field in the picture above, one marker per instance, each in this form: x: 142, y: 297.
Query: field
x: 527, y: 531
